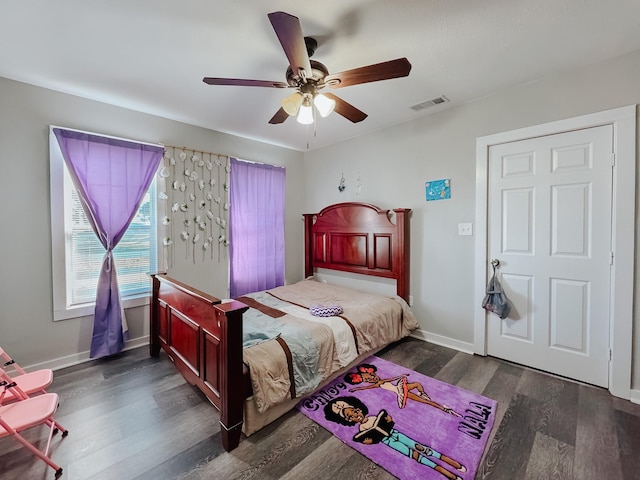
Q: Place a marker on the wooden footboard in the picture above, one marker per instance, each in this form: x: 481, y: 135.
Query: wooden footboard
x: 203, y: 337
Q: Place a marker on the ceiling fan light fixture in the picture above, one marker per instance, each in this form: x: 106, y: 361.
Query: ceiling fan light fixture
x: 324, y: 104
x: 305, y: 113
x: 292, y: 103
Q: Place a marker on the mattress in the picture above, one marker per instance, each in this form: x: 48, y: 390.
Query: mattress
x: 291, y: 352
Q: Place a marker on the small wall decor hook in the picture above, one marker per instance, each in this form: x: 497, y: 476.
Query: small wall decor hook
x: 342, y: 186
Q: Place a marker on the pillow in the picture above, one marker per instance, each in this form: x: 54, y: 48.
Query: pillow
x: 325, y: 310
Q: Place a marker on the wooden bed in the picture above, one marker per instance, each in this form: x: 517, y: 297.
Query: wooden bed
x: 203, y: 336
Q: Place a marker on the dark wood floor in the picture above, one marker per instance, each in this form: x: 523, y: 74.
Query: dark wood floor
x: 134, y: 417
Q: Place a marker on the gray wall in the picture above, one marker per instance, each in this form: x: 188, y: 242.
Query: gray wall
x: 27, y: 329
x: 394, y: 164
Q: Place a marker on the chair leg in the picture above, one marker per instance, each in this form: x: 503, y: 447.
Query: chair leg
x: 43, y: 455
x: 37, y: 452
x: 57, y: 427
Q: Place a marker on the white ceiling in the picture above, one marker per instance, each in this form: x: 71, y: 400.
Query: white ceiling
x: 151, y: 55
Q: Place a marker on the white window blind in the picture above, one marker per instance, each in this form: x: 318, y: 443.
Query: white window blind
x: 135, y: 255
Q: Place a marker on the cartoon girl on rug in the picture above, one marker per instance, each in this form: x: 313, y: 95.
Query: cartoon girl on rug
x: 403, y: 389
x: 380, y: 428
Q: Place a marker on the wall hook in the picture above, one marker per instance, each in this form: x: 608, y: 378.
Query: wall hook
x: 342, y: 186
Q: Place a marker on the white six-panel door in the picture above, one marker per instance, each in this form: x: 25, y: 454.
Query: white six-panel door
x: 549, y: 225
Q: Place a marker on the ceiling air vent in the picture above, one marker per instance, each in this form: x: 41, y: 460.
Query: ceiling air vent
x: 429, y: 103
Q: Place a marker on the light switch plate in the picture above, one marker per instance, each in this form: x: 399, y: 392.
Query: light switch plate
x: 465, y: 229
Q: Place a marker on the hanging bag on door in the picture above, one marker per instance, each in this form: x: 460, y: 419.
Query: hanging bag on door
x: 495, y: 300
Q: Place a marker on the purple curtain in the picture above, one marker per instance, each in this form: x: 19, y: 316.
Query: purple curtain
x: 111, y: 177
x: 256, y: 221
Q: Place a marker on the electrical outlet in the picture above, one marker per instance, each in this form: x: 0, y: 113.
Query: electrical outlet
x: 411, y: 300
x: 465, y: 229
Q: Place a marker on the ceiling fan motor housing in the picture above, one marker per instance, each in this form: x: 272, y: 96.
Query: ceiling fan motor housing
x: 311, y: 44
x: 318, y: 72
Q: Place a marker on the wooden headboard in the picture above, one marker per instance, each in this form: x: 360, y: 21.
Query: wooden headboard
x: 359, y: 238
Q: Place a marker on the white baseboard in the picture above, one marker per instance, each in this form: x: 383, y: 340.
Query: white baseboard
x: 635, y: 396
x: 81, y: 357
x: 443, y: 341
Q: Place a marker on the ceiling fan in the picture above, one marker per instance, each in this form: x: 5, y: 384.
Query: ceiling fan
x: 309, y: 77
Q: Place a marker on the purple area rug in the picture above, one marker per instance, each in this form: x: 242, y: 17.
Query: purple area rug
x: 411, y: 425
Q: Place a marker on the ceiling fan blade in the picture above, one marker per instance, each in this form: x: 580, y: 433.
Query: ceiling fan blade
x: 289, y: 32
x: 279, y: 117
x: 399, y: 67
x: 244, y: 83
x: 345, y: 109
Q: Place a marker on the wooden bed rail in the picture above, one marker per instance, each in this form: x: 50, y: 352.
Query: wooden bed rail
x: 203, y: 337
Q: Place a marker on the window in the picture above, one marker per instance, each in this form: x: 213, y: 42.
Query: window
x: 77, y: 254
x: 84, y: 253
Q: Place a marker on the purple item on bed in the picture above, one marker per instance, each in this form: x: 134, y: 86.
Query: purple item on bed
x: 325, y: 310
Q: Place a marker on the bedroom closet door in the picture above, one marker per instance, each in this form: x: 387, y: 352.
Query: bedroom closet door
x: 549, y: 225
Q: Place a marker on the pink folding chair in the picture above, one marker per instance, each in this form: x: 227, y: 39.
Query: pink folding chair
x: 31, y: 383
x: 27, y: 412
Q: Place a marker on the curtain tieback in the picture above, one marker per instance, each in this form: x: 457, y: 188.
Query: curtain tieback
x: 109, y: 258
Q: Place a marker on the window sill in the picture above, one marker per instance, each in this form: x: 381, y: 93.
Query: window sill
x: 88, y: 309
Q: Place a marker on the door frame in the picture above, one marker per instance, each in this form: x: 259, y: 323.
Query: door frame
x: 623, y: 120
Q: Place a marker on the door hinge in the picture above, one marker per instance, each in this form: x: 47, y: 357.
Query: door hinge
x: 613, y: 159
x: 610, y: 258
x: 610, y: 354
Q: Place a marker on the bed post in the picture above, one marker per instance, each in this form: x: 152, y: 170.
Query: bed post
x: 308, y: 244
x: 403, y: 245
x: 229, y: 318
x: 154, y: 342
